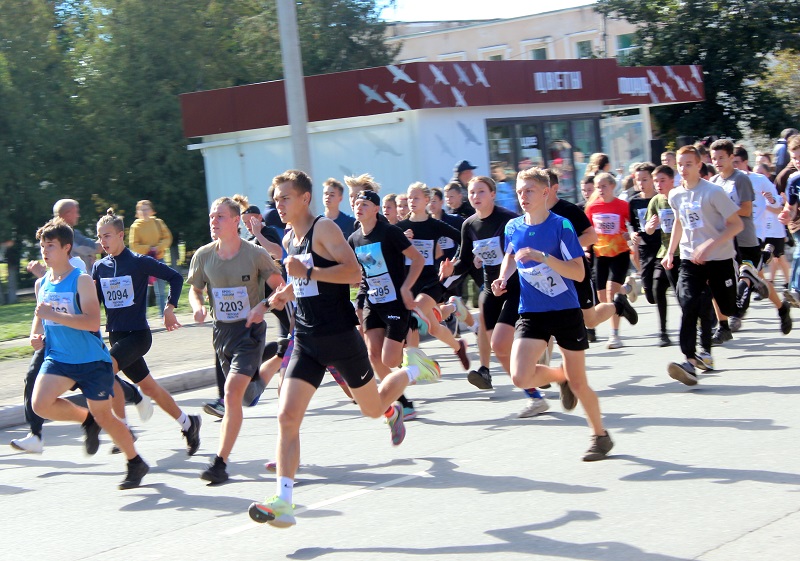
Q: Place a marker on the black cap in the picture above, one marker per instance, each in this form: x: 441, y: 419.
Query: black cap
x: 462, y: 166
x: 252, y: 209
x: 370, y: 196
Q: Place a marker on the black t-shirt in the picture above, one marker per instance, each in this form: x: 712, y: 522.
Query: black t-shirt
x: 574, y: 214
x: 449, y: 247
x: 638, y: 212
x: 380, y: 254
x: 484, y: 237
x: 426, y: 234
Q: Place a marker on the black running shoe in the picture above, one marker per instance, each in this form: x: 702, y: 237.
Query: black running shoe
x: 480, y: 378
x: 721, y: 335
x: 591, y: 335
x: 136, y: 471
x: 625, y: 309
x: 786, y: 319
x: 116, y: 449
x: 664, y: 340
x: 92, y: 440
x: 215, y: 472
x: 192, y: 434
x: 601, y: 446
x: 568, y: 399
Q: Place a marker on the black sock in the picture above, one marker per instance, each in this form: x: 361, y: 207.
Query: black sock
x: 89, y: 420
x: 137, y: 460
x: 219, y: 461
x: 404, y: 401
x: 723, y: 324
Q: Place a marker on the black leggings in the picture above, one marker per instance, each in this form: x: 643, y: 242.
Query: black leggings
x: 662, y: 280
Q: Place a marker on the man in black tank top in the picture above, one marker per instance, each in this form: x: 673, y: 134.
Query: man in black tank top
x: 321, y: 266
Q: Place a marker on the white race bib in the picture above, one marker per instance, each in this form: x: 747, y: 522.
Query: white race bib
x: 117, y: 292
x: 544, y: 279
x: 691, y: 216
x: 231, y: 304
x: 63, y: 302
x: 425, y: 247
x: 446, y: 243
x: 607, y: 224
x: 642, y: 214
x: 488, y: 250
x: 667, y: 218
x: 305, y: 287
x: 381, y: 289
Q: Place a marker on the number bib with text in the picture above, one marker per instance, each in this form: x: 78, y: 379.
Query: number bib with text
x: 691, y: 216
x: 544, y: 279
x: 63, y: 302
x: 231, y: 304
x: 488, y: 250
x: 425, y: 247
x: 446, y: 243
x: 666, y: 218
x: 305, y: 287
x: 641, y: 213
x: 117, y: 291
x: 607, y: 224
x: 381, y: 289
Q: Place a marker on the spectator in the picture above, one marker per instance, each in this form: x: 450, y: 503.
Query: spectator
x: 506, y: 193
x: 462, y: 173
x: 456, y: 202
x: 781, y: 154
x: 150, y: 236
x: 69, y: 211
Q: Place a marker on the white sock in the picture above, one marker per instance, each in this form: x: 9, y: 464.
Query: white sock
x: 473, y: 327
x: 284, y: 489
x: 184, y: 421
x: 412, y: 370
x: 124, y: 421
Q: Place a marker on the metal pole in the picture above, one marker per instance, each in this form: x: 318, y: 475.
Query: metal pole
x: 295, y: 90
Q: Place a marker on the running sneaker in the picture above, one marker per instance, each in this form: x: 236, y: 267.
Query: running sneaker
x: 461, y: 353
x: 720, y: 336
x: 215, y: 472
x: 480, y: 378
x: 568, y: 399
x: 92, y: 437
x: 634, y: 292
x: 786, y: 319
x: 601, y: 446
x: 591, y: 335
x: 192, y: 434
x: 215, y: 408
x: 461, y: 310
x: 423, y: 325
x: 136, y: 472
x: 747, y: 271
x: 614, y: 342
x: 271, y: 466
x: 253, y: 392
x: 145, y: 409
x: 32, y: 444
x: 793, y: 297
x: 396, y: 425
x: 704, y: 360
x: 625, y: 309
x: 409, y: 413
x: 274, y: 511
x: 536, y: 406
x: 664, y: 340
x: 116, y: 449
x: 684, y: 372
x: 735, y: 323
x: 428, y: 369
x: 451, y: 323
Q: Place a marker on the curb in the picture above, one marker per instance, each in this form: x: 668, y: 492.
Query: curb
x: 14, y: 415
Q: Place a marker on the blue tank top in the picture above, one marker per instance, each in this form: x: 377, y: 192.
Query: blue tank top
x: 62, y: 343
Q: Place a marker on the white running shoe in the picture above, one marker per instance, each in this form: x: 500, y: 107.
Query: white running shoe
x: 614, y: 342
x: 32, y: 444
x: 634, y: 293
x: 536, y: 406
x: 145, y: 409
x: 461, y: 310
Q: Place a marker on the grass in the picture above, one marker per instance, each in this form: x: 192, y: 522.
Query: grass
x: 12, y: 353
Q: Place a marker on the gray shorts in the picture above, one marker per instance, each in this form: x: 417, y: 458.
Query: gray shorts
x: 239, y: 348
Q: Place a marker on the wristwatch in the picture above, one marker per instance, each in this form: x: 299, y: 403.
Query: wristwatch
x: 544, y: 257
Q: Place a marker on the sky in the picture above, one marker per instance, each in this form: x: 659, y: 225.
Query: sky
x: 429, y: 10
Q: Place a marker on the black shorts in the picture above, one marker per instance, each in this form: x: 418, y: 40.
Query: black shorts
x: 613, y: 269
x: 499, y: 309
x: 128, y: 349
x: 587, y: 292
x: 239, y: 348
x: 434, y: 290
x: 752, y: 254
x: 565, y: 325
x: 779, y: 244
x: 720, y: 277
x: 346, y: 352
x: 393, y: 317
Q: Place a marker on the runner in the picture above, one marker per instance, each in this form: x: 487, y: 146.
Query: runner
x: 708, y: 222
x: 321, y: 266
x: 789, y: 217
x: 67, y: 323
x: 549, y: 304
x: 121, y: 280
x: 390, y: 208
x: 647, y: 245
x: 234, y: 272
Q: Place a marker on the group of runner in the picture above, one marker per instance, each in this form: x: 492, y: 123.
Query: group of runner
x: 538, y: 274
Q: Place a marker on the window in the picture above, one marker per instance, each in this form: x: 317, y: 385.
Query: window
x: 583, y: 49
x: 626, y: 44
x: 538, y: 54
x: 452, y: 57
x: 498, y: 52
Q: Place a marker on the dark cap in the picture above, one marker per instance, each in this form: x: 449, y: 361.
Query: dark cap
x: 252, y: 209
x: 370, y: 196
x: 462, y: 166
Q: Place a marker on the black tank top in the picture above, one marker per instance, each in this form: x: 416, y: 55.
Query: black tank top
x: 323, y: 308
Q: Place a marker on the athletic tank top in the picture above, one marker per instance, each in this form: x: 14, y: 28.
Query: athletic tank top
x: 323, y: 308
x: 62, y: 343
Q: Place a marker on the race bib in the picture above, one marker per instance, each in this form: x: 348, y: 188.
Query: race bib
x: 425, y: 247
x: 63, y: 302
x: 667, y: 218
x: 117, y: 292
x: 305, y: 287
x: 488, y: 250
x: 642, y: 214
x: 607, y: 224
x: 231, y: 304
x: 691, y: 216
x: 381, y: 289
x: 544, y: 279
x: 446, y: 243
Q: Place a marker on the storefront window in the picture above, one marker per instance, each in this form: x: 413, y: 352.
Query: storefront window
x: 559, y: 156
x: 584, y: 144
x: 501, y: 146
x: 623, y: 139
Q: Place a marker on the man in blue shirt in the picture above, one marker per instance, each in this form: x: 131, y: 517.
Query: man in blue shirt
x: 332, y: 195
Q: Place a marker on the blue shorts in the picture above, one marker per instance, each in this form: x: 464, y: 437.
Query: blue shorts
x: 94, y: 379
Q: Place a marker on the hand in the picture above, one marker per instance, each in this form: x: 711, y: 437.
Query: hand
x: 478, y: 262
x: 409, y: 234
x: 37, y: 342
x: 769, y: 197
x: 530, y: 254
x: 45, y: 311
x: 408, y: 298
x: 635, y: 238
x: 255, y: 224
x: 498, y: 287
x: 200, y: 314
x: 36, y: 269
x: 653, y: 223
x: 295, y: 267
x: 699, y: 255
x: 256, y: 314
x: 445, y: 269
x: 626, y: 236
x: 784, y: 217
x: 666, y: 262
x: 280, y: 297
x: 170, y: 321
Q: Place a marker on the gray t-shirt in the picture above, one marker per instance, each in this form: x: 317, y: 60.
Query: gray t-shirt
x: 703, y: 211
x: 739, y: 189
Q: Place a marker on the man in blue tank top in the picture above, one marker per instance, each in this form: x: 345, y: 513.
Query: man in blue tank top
x: 67, y: 324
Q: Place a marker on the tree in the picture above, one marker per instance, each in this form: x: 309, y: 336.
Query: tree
x: 733, y: 41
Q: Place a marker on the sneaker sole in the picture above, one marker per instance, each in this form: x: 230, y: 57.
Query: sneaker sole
x: 133, y: 485
x: 16, y: 446
x: 478, y: 381
x: 211, y: 479
x: 284, y: 521
x: 677, y: 373
x: 533, y: 413
x: 211, y: 411
x: 258, y: 515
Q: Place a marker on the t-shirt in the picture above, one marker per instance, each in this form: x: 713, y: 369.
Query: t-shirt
x: 659, y: 205
x: 766, y: 222
x: 346, y: 224
x: 426, y: 235
x: 609, y: 221
x: 638, y: 210
x: 235, y: 285
x: 506, y: 197
x: 703, y: 211
x: 740, y: 190
x: 380, y: 254
x: 484, y: 238
x: 449, y: 247
x: 541, y: 288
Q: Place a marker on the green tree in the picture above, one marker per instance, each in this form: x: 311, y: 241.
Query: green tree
x: 733, y: 41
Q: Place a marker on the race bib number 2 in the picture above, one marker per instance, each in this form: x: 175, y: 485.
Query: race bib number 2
x: 544, y: 279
